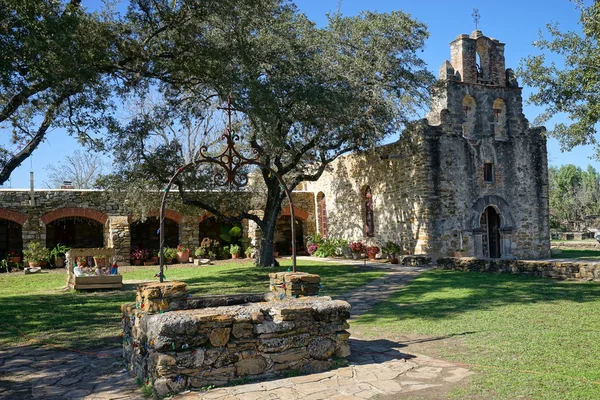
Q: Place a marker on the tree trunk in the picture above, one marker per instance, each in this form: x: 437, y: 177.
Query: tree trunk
x: 275, y: 197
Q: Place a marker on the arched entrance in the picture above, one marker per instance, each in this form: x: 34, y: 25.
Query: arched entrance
x: 11, y: 237
x: 490, y: 233
x: 283, y: 235
x: 322, y: 214
x: 77, y: 232
x: 145, y: 234
x: 212, y: 228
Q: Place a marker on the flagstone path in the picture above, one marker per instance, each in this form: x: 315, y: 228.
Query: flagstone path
x: 376, y: 367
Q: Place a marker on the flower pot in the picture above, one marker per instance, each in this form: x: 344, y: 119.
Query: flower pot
x: 394, y: 260
x: 100, y: 262
x: 169, y: 260
x: 81, y: 263
x: 356, y: 256
x: 234, y: 256
x: 59, y: 262
x: 136, y: 262
x: 14, y: 260
x: 148, y: 262
x: 183, y: 256
x: 155, y: 260
x: 459, y: 254
x: 34, y: 264
x: 275, y: 253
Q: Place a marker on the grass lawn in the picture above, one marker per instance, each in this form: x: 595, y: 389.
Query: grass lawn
x: 37, y: 306
x: 591, y: 255
x: 529, y: 338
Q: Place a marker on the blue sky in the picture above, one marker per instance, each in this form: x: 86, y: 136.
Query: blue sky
x: 515, y: 23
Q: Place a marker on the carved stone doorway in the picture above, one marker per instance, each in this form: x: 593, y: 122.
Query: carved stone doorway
x: 490, y: 236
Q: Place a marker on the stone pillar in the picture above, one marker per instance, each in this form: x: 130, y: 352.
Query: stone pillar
x: 119, y: 238
x: 33, y: 230
x: 188, y: 234
x: 506, y: 245
x: 477, y: 243
x: 294, y: 284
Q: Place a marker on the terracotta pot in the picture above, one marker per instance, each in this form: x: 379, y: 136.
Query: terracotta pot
x: 356, y: 256
x: 155, y: 260
x: 148, y: 262
x: 275, y: 253
x: 137, y: 262
x: 100, y: 262
x: 169, y: 260
x: 183, y: 256
x: 14, y: 260
x: 81, y: 263
x: 394, y: 260
x: 234, y: 256
x: 59, y: 262
x: 34, y: 264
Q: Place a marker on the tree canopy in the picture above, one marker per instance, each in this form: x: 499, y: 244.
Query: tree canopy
x: 55, y: 61
x: 304, y: 95
x: 570, y: 85
x: 574, y: 195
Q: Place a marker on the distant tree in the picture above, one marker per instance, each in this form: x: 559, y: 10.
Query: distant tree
x: 572, y: 85
x: 80, y: 168
x: 55, y: 57
x: 574, y: 194
x: 304, y: 95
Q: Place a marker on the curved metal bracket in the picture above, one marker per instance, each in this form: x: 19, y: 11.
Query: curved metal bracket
x: 231, y: 161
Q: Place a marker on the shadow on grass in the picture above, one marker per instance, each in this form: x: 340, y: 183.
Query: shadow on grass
x: 438, y: 294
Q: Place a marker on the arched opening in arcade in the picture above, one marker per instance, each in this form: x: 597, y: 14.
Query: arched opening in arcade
x: 283, y: 236
x: 11, y: 238
x: 75, y: 232
x: 146, y: 234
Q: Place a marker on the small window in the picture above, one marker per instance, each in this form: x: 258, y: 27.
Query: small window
x: 488, y: 172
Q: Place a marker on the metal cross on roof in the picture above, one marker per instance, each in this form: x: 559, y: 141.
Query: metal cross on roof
x: 476, y: 17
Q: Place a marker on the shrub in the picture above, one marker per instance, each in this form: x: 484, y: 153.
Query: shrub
x: 170, y: 253
x: 312, y: 248
x: 331, y: 247
x: 391, y: 248
x: 36, y: 253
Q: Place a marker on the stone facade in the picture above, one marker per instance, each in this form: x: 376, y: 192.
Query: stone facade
x: 175, y: 342
x: 105, y: 222
x: 472, y: 176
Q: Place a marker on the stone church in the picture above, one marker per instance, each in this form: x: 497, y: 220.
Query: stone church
x: 471, y: 178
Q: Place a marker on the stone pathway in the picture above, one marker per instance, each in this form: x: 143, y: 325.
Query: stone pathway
x: 377, y: 367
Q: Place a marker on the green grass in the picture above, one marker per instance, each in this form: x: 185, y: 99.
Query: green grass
x: 34, y: 306
x: 504, y: 326
x: 588, y: 255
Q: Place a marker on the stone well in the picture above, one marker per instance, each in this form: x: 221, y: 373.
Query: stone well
x: 176, y: 342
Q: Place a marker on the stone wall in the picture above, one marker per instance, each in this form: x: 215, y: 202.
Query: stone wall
x: 174, y: 342
x: 399, y: 185
x: 99, y: 206
x: 430, y: 188
x: 584, y: 271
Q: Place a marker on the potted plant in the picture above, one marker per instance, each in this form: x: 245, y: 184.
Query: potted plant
x: 391, y: 250
x: 312, y: 248
x: 170, y: 254
x: 35, y: 254
x: 13, y: 257
x: 100, y: 261
x: 155, y: 254
x: 183, y: 253
x: 372, y: 252
x: 137, y: 256
x: 357, y: 249
x: 58, y: 254
x: 249, y: 252
x: 234, y: 250
x: 200, y: 252
x: 81, y: 261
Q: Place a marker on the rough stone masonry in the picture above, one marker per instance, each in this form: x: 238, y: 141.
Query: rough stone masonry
x: 175, y: 342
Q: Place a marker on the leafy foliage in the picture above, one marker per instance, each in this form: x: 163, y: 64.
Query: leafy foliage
x: 571, y: 86
x: 56, y: 61
x: 574, y: 194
